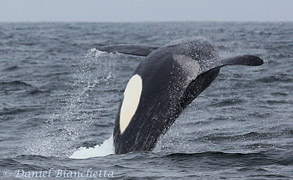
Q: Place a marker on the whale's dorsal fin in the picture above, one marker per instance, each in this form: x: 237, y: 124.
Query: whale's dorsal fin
x: 137, y: 50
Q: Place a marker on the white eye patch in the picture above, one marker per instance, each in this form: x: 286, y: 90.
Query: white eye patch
x: 130, y: 102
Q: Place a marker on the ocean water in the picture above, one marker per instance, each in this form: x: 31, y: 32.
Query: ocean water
x: 59, y: 95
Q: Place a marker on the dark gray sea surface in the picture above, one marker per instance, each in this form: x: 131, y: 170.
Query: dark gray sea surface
x: 58, y: 93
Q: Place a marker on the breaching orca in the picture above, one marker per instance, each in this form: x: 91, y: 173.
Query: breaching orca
x: 167, y: 80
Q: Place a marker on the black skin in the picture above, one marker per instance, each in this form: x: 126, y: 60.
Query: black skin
x: 167, y: 91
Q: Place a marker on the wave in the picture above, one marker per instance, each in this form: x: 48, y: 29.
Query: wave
x: 15, y: 83
x: 252, y: 158
x: 285, y: 133
x: 11, y: 68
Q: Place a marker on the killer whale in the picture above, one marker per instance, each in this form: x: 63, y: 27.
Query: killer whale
x: 166, y: 81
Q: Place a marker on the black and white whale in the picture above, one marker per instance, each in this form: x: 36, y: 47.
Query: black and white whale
x: 167, y: 80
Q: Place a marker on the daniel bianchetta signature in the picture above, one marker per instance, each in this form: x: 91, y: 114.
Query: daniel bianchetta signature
x: 58, y: 173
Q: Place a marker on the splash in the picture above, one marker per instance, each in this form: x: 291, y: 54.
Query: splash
x: 75, y: 115
x: 106, y: 148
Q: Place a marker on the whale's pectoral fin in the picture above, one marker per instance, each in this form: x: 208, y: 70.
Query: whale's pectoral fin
x: 247, y: 60
x: 137, y: 50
